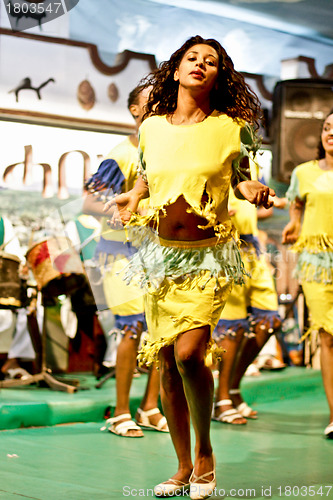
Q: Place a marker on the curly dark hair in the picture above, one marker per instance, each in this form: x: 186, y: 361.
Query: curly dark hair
x: 232, y: 95
x: 320, y: 147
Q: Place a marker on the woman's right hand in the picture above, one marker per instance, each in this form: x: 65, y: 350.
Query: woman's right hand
x: 291, y: 232
x: 121, y: 207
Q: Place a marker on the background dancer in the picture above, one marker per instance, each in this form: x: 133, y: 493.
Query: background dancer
x: 311, y: 195
x: 117, y: 173
x: 249, y: 317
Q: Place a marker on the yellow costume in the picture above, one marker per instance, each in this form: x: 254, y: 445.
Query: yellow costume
x: 188, y: 282
x: 257, y: 298
x: 315, y: 244
x: 117, y: 173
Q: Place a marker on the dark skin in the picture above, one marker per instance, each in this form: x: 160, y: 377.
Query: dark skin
x: 179, y: 223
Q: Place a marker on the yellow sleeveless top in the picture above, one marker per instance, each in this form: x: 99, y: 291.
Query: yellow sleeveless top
x: 315, y: 244
x: 191, y: 160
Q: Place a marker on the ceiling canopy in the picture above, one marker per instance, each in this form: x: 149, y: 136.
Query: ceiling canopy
x: 257, y: 34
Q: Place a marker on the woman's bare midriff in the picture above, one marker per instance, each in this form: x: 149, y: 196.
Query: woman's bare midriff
x: 180, y: 225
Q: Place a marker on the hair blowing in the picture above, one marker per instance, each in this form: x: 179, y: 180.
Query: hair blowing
x: 232, y: 95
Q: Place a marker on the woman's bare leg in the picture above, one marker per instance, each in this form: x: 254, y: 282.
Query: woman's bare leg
x: 326, y: 353
x: 226, y: 368
x: 249, y: 351
x: 190, y: 349
x: 176, y: 411
x: 150, y: 398
x: 125, y: 365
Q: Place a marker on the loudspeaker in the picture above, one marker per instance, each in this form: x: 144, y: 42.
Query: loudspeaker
x: 299, y: 108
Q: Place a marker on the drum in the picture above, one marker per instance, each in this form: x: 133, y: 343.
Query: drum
x: 56, y: 266
x: 11, y: 285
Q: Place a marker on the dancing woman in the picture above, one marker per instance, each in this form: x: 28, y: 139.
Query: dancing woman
x: 194, y: 142
x: 311, y: 195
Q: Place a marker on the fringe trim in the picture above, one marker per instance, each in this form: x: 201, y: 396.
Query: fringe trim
x: 154, y: 262
x: 148, y: 353
x: 315, y: 267
x: 314, y: 244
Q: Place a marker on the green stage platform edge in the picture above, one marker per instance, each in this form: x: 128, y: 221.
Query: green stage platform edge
x: 34, y: 406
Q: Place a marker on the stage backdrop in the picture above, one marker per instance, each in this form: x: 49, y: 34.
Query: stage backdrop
x: 43, y: 169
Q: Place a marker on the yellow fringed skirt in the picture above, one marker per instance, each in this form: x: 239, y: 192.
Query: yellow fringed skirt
x: 319, y: 299
x: 181, y: 304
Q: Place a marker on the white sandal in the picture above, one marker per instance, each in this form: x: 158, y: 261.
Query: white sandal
x: 145, y: 421
x: 244, y: 409
x: 200, y: 486
x: 227, y: 416
x: 121, y: 428
x: 329, y: 431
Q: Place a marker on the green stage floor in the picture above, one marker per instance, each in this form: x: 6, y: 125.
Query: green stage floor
x: 281, y: 455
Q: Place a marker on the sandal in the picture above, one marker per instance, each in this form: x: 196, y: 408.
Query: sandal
x: 269, y: 362
x: 200, y: 486
x: 244, y: 409
x: 145, y: 422
x: 227, y: 416
x: 329, y: 431
x: 121, y: 427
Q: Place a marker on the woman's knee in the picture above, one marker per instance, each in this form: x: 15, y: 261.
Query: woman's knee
x: 189, y: 360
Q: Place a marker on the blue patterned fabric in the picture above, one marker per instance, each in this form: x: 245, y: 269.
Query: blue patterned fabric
x: 257, y: 314
x: 253, y: 240
x: 229, y: 327
x: 110, y: 247
x: 108, y: 177
x: 130, y: 321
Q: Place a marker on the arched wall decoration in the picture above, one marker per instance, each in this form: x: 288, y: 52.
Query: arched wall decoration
x: 96, y: 99
x: 122, y: 59
x: 70, y: 60
x: 309, y: 63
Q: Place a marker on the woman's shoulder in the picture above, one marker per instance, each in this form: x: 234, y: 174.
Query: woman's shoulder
x: 225, y: 119
x: 153, y: 119
x: 151, y: 124
x: 306, y: 166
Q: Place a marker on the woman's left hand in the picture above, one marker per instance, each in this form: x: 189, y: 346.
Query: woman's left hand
x: 256, y: 193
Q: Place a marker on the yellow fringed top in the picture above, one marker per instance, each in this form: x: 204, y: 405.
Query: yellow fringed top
x: 314, y: 186
x: 192, y: 160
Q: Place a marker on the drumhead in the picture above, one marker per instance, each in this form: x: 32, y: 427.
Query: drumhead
x: 9, y: 256
x: 35, y: 245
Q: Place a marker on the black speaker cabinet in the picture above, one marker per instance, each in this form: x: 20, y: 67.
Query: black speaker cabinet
x: 299, y: 107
